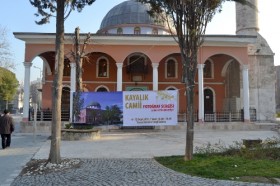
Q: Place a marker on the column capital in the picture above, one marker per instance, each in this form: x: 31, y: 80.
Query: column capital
x: 119, y: 65
x: 200, y: 66
x: 27, y: 64
x: 73, y: 65
x: 245, y: 67
x: 155, y: 65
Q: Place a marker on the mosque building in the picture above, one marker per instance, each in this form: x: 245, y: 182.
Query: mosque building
x: 135, y: 52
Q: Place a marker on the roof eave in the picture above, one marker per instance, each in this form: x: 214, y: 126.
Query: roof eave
x: 209, y: 40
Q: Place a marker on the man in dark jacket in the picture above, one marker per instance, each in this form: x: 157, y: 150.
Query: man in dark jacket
x: 6, y: 129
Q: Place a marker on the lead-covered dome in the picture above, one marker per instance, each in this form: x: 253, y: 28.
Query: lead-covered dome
x: 130, y: 13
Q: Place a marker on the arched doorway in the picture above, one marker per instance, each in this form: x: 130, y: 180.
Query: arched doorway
x: 65, y: 99
x: 101, y: 89
x: 208, y: 101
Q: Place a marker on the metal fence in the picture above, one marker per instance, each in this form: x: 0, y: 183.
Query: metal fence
x: 46, y: 115
x: 221, y: 116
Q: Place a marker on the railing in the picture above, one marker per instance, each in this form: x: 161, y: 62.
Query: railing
x: 221, y: 116
x: 46, y: 115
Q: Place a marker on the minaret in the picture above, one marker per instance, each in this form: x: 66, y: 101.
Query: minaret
x: 247, y: 22
x: 260, y: 63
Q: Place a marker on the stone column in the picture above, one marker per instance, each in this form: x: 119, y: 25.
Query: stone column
x: 245, y: 74
x: 200, y: 93
x: 119, y: 76
x: 73, y: 88
x: 27, y: 66
x: 155, y: 76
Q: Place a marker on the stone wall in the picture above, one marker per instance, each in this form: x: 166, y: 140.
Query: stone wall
x: 40, y: 127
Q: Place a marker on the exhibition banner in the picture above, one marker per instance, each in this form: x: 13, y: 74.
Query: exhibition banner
x: 129, y: 108
x: 149, y: 108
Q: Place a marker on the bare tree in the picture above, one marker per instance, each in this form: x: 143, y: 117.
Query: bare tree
x: 80, y: 57
x: 5, y: 53
x: 190, y: 19
x: 47, y: 9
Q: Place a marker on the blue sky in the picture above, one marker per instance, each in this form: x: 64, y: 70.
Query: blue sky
x: 111, y: 99
x: 18, y: 16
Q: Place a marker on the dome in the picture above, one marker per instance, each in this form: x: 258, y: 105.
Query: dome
x: 129, y: 12
x: 94, y: 105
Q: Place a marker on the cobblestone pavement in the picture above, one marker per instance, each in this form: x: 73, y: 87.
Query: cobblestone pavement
x: 23, y: 147
x: 121, y: 172
x: 14, y: 158
x: 120, y: 159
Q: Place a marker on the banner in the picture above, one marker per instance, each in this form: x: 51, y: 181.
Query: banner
x: 130, y: 108
x: 149, y: 108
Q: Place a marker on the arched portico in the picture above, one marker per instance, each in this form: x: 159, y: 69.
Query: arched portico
x: 226, y: 82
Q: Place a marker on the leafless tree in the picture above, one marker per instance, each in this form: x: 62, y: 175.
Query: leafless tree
x: 190, y: 19
x: 61, y: 10
x: 5, y: 53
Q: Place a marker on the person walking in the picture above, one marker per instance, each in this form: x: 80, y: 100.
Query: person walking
x: 6, y: 128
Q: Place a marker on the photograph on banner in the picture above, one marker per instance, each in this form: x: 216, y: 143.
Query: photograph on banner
x: 98, y: 108
x: 150, y: 108
x: 128, y: 108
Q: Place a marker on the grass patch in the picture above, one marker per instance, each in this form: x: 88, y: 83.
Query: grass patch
x: 258, y: 164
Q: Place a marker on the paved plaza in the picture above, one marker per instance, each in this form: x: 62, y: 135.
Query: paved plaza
x: 117, y: 159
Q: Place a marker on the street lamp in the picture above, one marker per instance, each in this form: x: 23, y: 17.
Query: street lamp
x: 40, y: 71
x: 39, y: 89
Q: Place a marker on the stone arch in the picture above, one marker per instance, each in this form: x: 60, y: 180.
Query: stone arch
x: 225, y: 68
x: 240, y: 54
x: 137, y: 66
x: 91, y: 66
x: 48, y: 58
x: 102, y: 88
x: 171, y: 88
x: 229, y: 79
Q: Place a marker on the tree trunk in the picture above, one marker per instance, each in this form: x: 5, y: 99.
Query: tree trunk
x: 190, y: 73
x: 54, y: 155
x: 79, y: 61
x: 190, y: 121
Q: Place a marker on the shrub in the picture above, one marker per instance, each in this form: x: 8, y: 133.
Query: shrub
x: 82, y: 126
x: 268, y: 149
x: 68, y: 126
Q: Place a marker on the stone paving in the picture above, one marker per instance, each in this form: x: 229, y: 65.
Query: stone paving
x: 14, y: 158
x: 121, y: 172
x: 126, y: 159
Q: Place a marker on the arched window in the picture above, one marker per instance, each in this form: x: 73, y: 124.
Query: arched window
x: 120, y: 31
x: 208, y: 68
x: 155, y: 31
x: 103, y: 68
x: 171, y: 68
x: 137, y: 30
x: 137, y: 65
